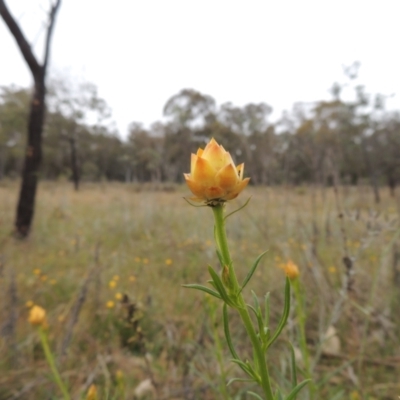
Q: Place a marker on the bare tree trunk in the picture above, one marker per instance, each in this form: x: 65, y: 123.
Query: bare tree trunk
x: 33, y: 155
x: 74, y: 162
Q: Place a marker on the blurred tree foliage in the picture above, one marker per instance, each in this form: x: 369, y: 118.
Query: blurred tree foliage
x: 320, y: 143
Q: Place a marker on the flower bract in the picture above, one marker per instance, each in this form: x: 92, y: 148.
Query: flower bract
x: 37, y: 316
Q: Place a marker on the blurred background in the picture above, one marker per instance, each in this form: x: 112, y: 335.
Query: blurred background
x: 305, y: 93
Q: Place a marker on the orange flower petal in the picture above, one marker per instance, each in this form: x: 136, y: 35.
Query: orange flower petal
x: 240, y: 169
x: 196, y: 188
x: 227, y: 177
x: 231, y: 196
x: 193, y: 159
x: 214, y: 192
x: 203, y: 172
x: 215, y: 154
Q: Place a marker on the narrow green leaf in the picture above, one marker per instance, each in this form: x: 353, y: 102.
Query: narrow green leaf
x: 204, y: 289
x: 252, y: 309
x: 285, y: 314
x: 240, y: 208
x: 244, y: 366
x: 193, y: 205
x: 293, y: 393
x: 228, y: 333
x: 252, y: 270
x: 219, y: 286
x: 278, y: 395
x: 255, y: 395
x: 266, y: 310
x: 238, y: 380
x: 293, y: 366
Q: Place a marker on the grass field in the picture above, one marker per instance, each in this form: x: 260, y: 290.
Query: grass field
x: 107, y: 263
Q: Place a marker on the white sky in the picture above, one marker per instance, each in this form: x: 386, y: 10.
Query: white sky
x: 140, y: 53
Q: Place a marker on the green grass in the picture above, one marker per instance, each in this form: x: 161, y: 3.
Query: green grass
x: 150, y: 242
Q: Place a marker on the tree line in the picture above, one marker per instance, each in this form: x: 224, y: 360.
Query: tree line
x: 346, y: 141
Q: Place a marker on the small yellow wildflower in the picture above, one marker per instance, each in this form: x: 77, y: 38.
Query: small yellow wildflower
x: 137, y: 259
x: 119, y: 375
x: 110, y: 304
x: 332, y: 269
x: 112, y: 284
x: 116, y: 278
x: 118, y: 296
x: 29, y: 304
x: 92, y: 393
x: 145, y: 260
x: 37, y: 271
x: 37, y: 316
x: 132, y: 278
x: 168, y: 261
x: 43, y: 278
x: 291, y: 269
x: 52, y: 281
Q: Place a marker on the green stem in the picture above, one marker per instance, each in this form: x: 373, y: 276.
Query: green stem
x: 52, y: 364
x: 303, y: 340
x: 218, y: 348
x: 222, y: 243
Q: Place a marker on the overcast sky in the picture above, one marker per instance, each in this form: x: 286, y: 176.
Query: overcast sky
x: 141, y: 52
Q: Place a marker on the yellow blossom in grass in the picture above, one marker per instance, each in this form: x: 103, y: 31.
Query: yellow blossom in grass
x: 168, y: 261
x: 110, y: 304
x: 137, y: 259
x: 29, y: 304
x: 112, y: 284
x: 92, y: 393
x: 214, y: 176
x: 118, y: 296
x: 119, y: 375
x: 132, y: 278
x: 116, y: 278
x: 37, y: 271
x: 52, y: 281
x: 291, y: 269
x: 43, y: 278
x: 332, y: 269
x: 37, y: 316
x: 145, y: 260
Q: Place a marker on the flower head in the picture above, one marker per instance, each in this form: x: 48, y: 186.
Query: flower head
x: 37, y: 316
x: 92, y: 393
x: 291, y: 269
x: 214, y: 176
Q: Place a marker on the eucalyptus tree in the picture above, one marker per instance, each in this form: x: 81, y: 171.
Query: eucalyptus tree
x: 33, y: 155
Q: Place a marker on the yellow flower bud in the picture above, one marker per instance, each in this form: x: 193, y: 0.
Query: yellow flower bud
x: 37, y: 316
x: 112, y: 284
x: 110, y: 304
x: 29, y: 304
x: 92, y: 393
x: 291, y: 270
x: 214, y: 176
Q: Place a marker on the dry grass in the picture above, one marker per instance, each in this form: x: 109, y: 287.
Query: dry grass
x: 148, y: 243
